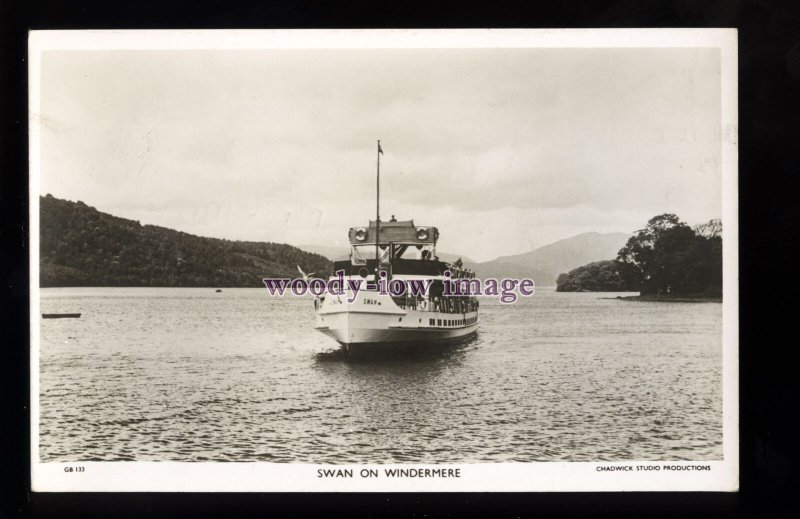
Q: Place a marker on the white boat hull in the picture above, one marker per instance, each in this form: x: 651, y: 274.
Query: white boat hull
x: 375, y: 320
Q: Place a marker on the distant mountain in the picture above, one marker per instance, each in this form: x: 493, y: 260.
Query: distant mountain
x: 335, y: 253
x: 544, y: 264
x: 80, y: 246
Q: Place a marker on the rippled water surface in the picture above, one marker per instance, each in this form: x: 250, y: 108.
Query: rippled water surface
x: 195, y: 375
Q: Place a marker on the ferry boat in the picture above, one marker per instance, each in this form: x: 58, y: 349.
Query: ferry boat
x: 371, y: 320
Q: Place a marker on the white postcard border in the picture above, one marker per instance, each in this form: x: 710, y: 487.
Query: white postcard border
x: 501, y: 477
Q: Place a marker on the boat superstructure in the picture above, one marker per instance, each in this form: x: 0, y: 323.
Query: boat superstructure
x: 372, y: 317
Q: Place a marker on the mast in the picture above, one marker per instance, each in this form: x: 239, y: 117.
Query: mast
x: 378, y: 214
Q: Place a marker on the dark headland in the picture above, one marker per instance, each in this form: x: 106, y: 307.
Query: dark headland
x: 667, y: 261
x: 670, y: 299
x: 83, y: 247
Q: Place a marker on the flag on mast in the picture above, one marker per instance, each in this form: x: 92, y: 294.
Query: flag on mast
x: 379, y: 148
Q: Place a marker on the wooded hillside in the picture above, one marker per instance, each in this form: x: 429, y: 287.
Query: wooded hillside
x: 80, y: 246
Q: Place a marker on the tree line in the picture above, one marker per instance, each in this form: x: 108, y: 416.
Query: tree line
x: 666, y: 258
x: 81, y: 246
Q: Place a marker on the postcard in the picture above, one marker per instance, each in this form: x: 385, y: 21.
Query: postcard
x: 384, y: 260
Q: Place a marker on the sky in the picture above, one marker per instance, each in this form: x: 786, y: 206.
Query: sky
x: 504, y: 150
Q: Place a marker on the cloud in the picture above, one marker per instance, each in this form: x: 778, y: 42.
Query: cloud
x: 280, y: 145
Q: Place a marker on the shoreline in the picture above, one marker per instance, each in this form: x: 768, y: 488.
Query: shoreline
x: 667, y: 299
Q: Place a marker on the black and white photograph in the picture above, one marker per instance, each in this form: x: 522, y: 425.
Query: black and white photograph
x: 384, y: 260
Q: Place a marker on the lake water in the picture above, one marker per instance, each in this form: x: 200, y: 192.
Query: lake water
x: 194, y: 375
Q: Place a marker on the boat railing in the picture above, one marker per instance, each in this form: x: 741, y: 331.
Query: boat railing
x: 440, y: 305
